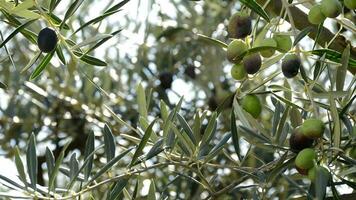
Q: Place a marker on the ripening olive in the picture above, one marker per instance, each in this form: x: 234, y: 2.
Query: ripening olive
x: 238, y: 72
x: 284, y: 42
x: 350, y: 4
x: 239, y: 25
x: 290, y: 65
x: 47, y: 40
x: 312, y: 172
x: 302, y: 171
x: 166, y: 79
x: 315, y: 15
x: 252, y: 105
x: 331, y: 8
x: 269, y: 42
x: 299, y: 141
x: 312, y: 128
x: 235, y: 49
x: 305, y: 158
x: 252, y: 63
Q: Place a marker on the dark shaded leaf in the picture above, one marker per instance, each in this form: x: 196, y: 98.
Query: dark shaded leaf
x: 49, y: 161
x: 156, y: 149
x: 73, y: 166
x: 234, y: 134
x: 90, y: 59
x: 187, y: 129
x: 32, y: 162
x: 218, y: 147
x: 60, y: 54
x: 18, y: 29
x: 342, y: 70
x: 256, y: 8
x: 3, y: 86
x: 302, y: 34
x: 117, y: 189
x: 51, y: 181
x: 19, y: 166
x: 71, y: 10
x: 89, y: 148
x: 109, y: 141
x: 39, y: 69
x: 212, y: 41
x: 333, y: 56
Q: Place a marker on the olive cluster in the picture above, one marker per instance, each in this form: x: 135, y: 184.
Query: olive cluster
x: 328, y: 8
x: 246, y: 62
x: 301, y: 141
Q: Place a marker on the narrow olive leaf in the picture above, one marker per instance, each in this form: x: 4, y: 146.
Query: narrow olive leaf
x: 67, y: 172
x: 337, y: 125
x: 18, y: 29
x: 196, y: 127
x: 322, y: 178
x: 143, y: 143
x: 212, y: 41
x: 90, y: 59
x: 320, y: 28
x: 31, y: 62
x: 210, y: 130
x: 254, y: 6
x: 347, y: 106
x: 11, y: 182
x: 32, y: 162
x: 102, y: 41
x: 49, y: 161
x: 60, y: 54
x: 134, y: 194
x: 19, y: 166
x: 73, y: 166
x: 52, y: 5
x: 187, y: 128
x: 3, y: 86
x: 108, y: 165
x: 156, y: 149
x: 333, y: 56
x: 57, y: 21
x: 282, y: 123
x: 43, y: 64
x: 226, y: 103
x: 152, y: 191
x: 218, y: 147
x: 280, y: 167
x: 90, y: 40
x: 89, y: 148
x: 71, y: 10
x: 171, y: 118
x: 276, y: 117
x: 141, y: 101
x: 302, y: 34
x: 109, y: 142
x: 341, y: 71
x: 117, y: 189
x: 336, y: 195
x: 117, y: 6
x: 51, y: 181
x: 254, y: 135
x: 164, y: 110
x: 95, y: 20
x: 234, y: 134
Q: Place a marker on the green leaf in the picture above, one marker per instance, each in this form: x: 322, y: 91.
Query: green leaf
x: 39, y: 69
x: 281, y: 125
x: 18, y: 29
x: 31, y: 158
x: 73, y: 166
x: 196, y: 127
x: 256, y: 8
x: 321, y: 181
x: 109, y: 141
x: 60, y: 54
x: 91, y: 40
x: 49, y: 161
x: 89, y: 148
x: 152, y: 191
x: 156, y: 149
x: 51, y: 181
x: 117, y: 189
x: 52, y: 5
x: 71, y: 10
x: 234, y: 134
x: 19, y: 166
x: 141, y: 101
x: 31, y: 62
x: 187, y: 128
x: 210, y: 130
x: 336, y: 133
x: 212, y: 41
x: 108, y: 165
x: 341, y: 71
x: 102, y: 41
x: 218, y: 147
x: 90, y: 59
x: 143, y: 143
x: 117, y: 6
x: 333, y: 56
x: 302, y: 34
x: 295, y: 117
x: 95, y: 20
x: 57, y: 21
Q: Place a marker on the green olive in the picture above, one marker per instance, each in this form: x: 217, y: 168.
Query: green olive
x: 235, y: 49
x: 284, y: 42
x: 305, y: 158
x: 252, y: 105
x: 312, y: 128
x: 268, y: 42
x: 350, y: 4
x: 238, y: 72
x: 299, y: 141
x: 315, y: 15
x: 331, y: 8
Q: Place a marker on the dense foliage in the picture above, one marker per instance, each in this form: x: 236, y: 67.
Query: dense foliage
x: 214, y: 99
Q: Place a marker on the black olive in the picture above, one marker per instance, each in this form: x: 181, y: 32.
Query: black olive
x: 290, y: 65
x: 47, y: 40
